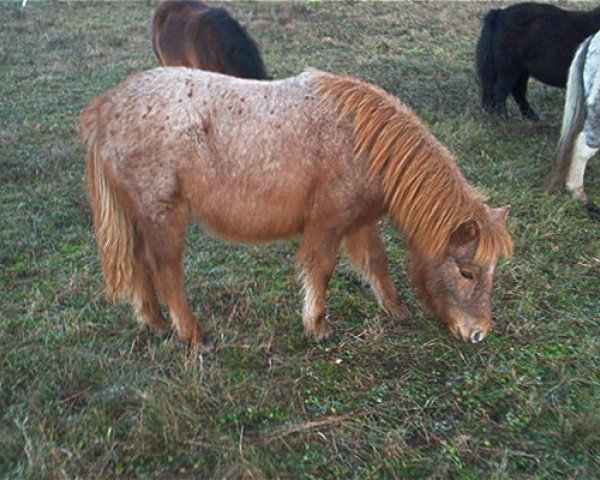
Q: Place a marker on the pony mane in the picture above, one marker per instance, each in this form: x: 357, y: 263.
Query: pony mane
x: 426, y: 194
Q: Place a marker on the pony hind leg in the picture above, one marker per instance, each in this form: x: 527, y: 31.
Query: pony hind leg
x: 317, y: 257
x: 579, y: 159
x: 144, y: 299
x: 519, y: 93
x: 507, y: 78
x: 366, y: 250
x: 487, y: 99
x: 165, y: 241
x: 487, y: 93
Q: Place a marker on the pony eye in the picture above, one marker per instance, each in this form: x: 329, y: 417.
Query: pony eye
x: 466, y: 274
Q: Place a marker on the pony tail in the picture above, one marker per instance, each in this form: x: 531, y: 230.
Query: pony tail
x: 114, y: 230
x: 484, y: 59
x: 573, y: 116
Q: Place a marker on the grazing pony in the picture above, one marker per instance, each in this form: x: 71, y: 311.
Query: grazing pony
x: 580, y: 131
x: 314, y: 155
x: 523, y: 40
x: 189, y: 33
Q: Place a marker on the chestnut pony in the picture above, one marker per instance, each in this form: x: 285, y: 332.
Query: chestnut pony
x: 189, y: 33
x: 315, y: 155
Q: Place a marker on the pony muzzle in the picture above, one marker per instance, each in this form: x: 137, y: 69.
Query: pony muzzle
x: 468, y: 330
x: 471, y: 335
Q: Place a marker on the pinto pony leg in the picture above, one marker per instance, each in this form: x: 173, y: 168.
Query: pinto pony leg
x: 581, y: 155
x: 365, y: 249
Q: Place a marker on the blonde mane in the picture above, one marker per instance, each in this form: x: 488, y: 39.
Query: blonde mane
x: 427, y: 195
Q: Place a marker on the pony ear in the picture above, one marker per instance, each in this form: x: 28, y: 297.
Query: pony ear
x: 465, y: 233
x: 501, y: 212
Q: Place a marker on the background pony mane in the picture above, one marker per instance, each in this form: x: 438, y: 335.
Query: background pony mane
x: 427, y: 195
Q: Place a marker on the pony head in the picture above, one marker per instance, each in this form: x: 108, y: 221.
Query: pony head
x: 457, y: 285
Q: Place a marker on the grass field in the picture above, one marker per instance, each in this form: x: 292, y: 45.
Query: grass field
x: 84, y: 393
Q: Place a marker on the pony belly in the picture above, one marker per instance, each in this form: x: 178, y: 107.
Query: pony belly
x: 249, y: 220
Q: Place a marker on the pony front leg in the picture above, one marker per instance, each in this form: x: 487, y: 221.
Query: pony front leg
x: 519, y: 93
x: 365, y: 249
x: 579, y: 159
x: 317, y: 257
x: 502, y: 88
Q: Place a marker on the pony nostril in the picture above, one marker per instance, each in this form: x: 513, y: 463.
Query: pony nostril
x: 477, y: 336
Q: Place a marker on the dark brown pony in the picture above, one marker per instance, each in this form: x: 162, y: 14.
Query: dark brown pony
x: 523, y: 40
x: 189, y: 33
x: 314, y: 155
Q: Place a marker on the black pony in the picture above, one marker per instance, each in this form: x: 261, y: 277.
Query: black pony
x: 189, y: 33
x: 528, y: 39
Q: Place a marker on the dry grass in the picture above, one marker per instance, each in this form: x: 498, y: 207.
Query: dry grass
x: 85, y: 394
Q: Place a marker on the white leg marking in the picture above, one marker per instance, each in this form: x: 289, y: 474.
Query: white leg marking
x: 138, y: 307
x: 315, y: 323
x: 377, y: 288
x: 309, y: 310
x: 581, y: 154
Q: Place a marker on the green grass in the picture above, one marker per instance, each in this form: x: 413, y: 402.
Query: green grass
x: 84, y: 393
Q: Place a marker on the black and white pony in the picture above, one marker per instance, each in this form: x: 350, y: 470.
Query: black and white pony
x: 580, y: 132
x: 523, y: 40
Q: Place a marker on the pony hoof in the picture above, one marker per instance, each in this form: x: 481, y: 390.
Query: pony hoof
x: 531, y: 115
x: 399, y: 312
x: 323, y: 332
x: 579, y: 194
x: 162, y: 330
x: 593, y: 210
x: 205, y: 345
x: 192, y: 336
x: 534, y: 117
x: 201, y: 343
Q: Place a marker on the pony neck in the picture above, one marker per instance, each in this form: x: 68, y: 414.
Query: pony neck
x: 425, y: 193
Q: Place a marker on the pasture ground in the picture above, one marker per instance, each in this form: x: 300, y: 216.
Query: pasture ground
x: 84, y: 393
